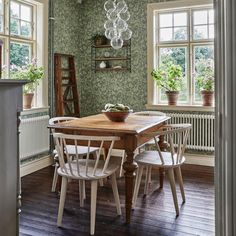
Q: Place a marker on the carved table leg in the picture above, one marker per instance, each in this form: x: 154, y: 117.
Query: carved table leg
x: 129, y: 166
x: 163, y: 146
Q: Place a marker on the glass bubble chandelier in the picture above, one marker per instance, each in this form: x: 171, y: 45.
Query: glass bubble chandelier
x: 116, y: 27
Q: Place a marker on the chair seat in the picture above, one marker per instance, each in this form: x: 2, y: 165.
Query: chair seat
x: 112, y: 167
x: 82, y: 150
x: 153, y: 158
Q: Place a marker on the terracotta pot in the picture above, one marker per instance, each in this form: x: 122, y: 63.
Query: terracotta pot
x: 27, y: 100
x: 172, y: 97
x: 100, y: 41
x: 207, y: 97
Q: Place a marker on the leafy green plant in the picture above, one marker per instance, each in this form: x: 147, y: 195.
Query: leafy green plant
x: 169, y: 77
x: 205, y: 75
x: 31, y: 73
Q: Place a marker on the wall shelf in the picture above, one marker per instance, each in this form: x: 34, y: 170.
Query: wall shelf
x: 120, y: 58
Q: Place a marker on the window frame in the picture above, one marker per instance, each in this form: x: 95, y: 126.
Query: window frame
x: 37, y: 42
x: 152, y: 45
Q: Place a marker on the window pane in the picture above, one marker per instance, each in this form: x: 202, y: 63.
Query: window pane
x: 25, y: 29
x: 166, y: 34
x: 20, y: 54
x: 211, y: 31
x: 180, y: 33
x: 200, y: 17
x: 203, y: 55
x: 1, y: 23
x: 14, y: 26
x: 211, y: 16
x: 200, y: 32
x: 15, y: 10
x: 180, y: 19
x: 166, y: 20
x: 1, y: 7
x: 177, y: 56
x: 26, y: 13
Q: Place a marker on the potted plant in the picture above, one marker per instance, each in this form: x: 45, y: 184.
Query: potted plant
x: 169, y: 77
x: 205, y: 80
x: 99, y: 39
x: 31, y: 73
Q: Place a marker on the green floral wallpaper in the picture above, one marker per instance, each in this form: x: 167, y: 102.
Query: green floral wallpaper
x: 99, y: 88
x: 74, y: 26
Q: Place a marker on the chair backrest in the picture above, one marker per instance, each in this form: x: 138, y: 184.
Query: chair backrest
x: 177, y: 132
x: 86, y: 166
x: 150, y: 113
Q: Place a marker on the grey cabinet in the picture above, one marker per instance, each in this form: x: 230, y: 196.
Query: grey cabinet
x: 10, y: 107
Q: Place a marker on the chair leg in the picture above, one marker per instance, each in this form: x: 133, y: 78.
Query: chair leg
x: 115, y: 193
x: 94, y: 186
x: 146, y: 179
x: 121, y: 164
x: 150, y: 175
x: 173, y: 189
x: 137, y: 184
x: 62, y: 201
x: 55, y: 177
x: 180, y: 181
x: 81, y: 193
x: 84, y: 192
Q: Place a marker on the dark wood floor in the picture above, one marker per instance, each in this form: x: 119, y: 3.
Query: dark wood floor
x: 154, y: 214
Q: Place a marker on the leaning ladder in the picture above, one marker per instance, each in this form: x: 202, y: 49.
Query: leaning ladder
x: 66, y: 94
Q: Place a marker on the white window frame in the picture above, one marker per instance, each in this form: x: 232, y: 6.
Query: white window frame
x: 39, y: 42
x: 152, y: 57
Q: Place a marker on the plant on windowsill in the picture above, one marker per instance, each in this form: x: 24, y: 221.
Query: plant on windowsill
x: 170, y: 78
x: 31, y: 73
x: 205, y: 80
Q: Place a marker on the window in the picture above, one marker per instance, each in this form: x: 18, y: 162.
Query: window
x: 184, y: 36
x: 23, y: 29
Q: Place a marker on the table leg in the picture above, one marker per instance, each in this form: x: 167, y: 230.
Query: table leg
x: 129, y: 166
x: 163, y: 146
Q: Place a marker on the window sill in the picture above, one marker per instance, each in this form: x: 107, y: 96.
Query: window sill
x: 35, y: 110
x: 163, y: 107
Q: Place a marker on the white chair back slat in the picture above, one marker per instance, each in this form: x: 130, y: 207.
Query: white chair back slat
x: 84, y: 167
x: 172, y: 148
x: 159, y: 150
x: 97, y: 157
x: 108, y: 157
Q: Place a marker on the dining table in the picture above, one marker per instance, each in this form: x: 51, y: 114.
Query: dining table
x: 133, y: 134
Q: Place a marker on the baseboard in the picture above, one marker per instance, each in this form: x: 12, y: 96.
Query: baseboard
x: 35, y: 165
x: 203, y: 160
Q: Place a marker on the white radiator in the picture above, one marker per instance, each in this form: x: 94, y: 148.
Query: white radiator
x: 34, y: 136
x: 202, y: 133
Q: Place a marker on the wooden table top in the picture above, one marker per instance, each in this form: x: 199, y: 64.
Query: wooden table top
x: 134, y: 124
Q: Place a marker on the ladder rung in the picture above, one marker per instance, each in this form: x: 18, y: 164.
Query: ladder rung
x: 66, y: 69
x: 68, y: 85
x: 65, y: 78
x: 69, y: 100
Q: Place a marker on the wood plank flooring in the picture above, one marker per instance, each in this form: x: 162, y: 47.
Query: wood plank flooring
x: 153, y: 215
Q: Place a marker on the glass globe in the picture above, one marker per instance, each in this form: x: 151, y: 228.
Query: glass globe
x: 124, y: 15
x: 117, y: 43
x: 114, y: 33
x: 107, y: 33
x: 109, y: 5
x: 121, y: 25
x: 112, y: 14
x: 126, y: 35
x: 120, y: 6
x: 109, y: 24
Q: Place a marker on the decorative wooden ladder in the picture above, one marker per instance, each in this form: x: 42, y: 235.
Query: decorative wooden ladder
x: 67, y: 99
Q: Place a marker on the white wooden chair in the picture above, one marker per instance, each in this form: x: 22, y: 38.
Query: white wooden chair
x: 171, y: 161
x: 85, y: 170
x: 70, y: 148
x: 146, y: 146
